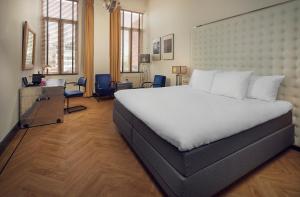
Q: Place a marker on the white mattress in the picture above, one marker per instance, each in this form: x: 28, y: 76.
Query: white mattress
x: 189, y: 118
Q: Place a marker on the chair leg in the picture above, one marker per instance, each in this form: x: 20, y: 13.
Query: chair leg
x: 74, y: 108
x: 97, y: 98
x: 67, y: 108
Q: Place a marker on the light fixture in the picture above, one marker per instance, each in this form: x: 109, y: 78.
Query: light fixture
x: 45, y: 68
x: 144, y: 60
x: 179, y: 71
x: 110, y: 5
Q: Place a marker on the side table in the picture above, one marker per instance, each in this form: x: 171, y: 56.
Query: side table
x: 122, y: 85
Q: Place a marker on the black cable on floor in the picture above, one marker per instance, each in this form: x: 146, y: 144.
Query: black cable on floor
x: 6, y: 163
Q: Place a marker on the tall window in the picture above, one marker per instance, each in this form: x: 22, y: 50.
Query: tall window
x: 60, y: 32
x: 131, y: 36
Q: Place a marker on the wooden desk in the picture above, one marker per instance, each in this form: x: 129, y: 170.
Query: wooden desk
x: 41, y: 105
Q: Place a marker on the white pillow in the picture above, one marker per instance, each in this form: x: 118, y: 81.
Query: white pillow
x: 231, y: 83
x: 264, y: 87
x: 202, y: 79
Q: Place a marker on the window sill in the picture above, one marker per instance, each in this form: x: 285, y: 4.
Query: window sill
x: 131, y: 72
x: 60, y: 74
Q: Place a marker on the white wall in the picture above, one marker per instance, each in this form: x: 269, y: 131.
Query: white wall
x: 180, y: 16
x: 101, y: 34
x: 101, y: 38
x: 12, y: 15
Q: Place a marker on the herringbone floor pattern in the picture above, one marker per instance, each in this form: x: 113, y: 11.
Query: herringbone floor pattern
x: 85, y: 156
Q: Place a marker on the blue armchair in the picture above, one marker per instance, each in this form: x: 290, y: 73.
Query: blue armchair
x: 75, y: 93
x: 104, y: 86
x: 159, y: 81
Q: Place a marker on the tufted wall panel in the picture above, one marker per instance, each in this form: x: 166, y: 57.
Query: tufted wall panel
x: 265, y: 41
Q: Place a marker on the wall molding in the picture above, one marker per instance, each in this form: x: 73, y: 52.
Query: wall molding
x: 297, y: 148
x: 244, y: 13
x: 7, y: 139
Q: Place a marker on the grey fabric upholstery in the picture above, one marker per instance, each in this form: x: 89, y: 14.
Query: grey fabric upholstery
x: 189, y: 162
x: 214, y: 177
x: 265, y: 41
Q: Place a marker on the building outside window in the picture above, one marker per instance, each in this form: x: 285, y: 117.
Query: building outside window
x: 131, y: 39
x: 60, y: 36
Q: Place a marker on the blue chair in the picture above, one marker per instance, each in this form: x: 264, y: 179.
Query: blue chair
x: 75, y: 93
x: 159, y: 81
x: 104, y: 86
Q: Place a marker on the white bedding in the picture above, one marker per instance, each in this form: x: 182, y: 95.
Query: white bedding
x: 189, y: 118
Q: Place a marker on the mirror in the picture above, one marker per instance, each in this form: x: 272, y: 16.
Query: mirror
x: 28, y: 54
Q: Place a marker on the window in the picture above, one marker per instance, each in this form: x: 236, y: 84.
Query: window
x: 131, y: 36
x: 60, y: 32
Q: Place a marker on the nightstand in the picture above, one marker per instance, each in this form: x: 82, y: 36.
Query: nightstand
x: 122, y: 85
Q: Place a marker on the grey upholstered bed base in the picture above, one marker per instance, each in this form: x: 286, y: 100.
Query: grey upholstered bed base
x: 208, y: 180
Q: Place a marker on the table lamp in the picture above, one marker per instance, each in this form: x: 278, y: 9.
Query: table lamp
x: 45, y: 68
x: 179, y: 71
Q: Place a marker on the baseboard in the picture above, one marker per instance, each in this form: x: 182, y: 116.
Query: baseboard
x: 297, y: 148
x: 4, y: 143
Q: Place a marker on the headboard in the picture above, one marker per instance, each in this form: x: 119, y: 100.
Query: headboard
x: 265, y: 41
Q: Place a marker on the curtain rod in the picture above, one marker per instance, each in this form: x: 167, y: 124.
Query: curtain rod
x: 288, y: 1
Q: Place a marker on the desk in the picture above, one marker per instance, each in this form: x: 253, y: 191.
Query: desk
x: 42, y: 105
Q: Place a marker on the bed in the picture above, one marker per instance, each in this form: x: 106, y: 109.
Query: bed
x: 266, y: 42
x: 174, y: 145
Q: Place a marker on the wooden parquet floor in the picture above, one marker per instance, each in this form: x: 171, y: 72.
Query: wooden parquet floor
x: 85, y: 156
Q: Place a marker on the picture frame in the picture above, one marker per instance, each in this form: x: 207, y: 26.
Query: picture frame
x: 156, y: 49
x: 28, y: 48
x: 167, y: 46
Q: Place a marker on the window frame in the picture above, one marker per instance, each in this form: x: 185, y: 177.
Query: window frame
x: 61, y: 22
x: 131, y: 30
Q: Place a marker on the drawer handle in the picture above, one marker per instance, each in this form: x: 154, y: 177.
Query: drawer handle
x: 42, y: 99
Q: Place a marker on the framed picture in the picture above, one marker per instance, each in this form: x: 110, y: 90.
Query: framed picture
x: 167, y: 45
x: 28, y: 51
x: 156, y: 49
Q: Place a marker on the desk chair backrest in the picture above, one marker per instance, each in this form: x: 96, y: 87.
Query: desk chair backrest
x: 81, y: 81
x: 159, y: 81
x: 103, y: 81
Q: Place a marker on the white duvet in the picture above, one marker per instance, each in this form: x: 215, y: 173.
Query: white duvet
x: 189, y: 118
